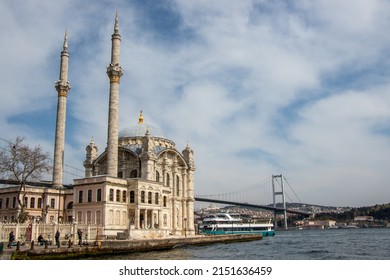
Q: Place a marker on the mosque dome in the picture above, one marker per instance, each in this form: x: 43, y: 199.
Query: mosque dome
x: 139, y: 130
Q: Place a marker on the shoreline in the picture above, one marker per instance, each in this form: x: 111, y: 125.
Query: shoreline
x: 112, y: 247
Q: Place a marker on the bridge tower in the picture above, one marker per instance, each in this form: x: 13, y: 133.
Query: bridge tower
x: 275, y: 193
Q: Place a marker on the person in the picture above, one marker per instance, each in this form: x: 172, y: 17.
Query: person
x: 58, y: 238
x: 41, y: 240
x: 80, y: 235
x: 11, y: 238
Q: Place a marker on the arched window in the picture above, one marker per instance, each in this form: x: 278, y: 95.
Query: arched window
x: 124, y: 196
x: 39, y: 202
x: 89, y: 217
x: 150, y: 197
x: 120, y: 174
x: 165, y: 201
x: 157, y: 176
x: 168, y: 179
x: 97, y: 217
x: 32, y: 202
x: 89, y: 195
x: 133, y: 173
x: 25, y: 201
x: 80, y: 196
x: 52, y: 203
x: 132, y: 200
x: 156, y: 198
x: 142, y: 196
x: 14, y: 202
x: 99, y: 195
x: 118, y: 195
x: 111, y: 198
x: 177, y: 185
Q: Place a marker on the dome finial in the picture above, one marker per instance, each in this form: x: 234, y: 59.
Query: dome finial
x: 141, y: 118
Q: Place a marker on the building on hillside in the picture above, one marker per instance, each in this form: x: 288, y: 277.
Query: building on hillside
x: 317, y: 224
x: 140, y: 186
x: 363, y: 219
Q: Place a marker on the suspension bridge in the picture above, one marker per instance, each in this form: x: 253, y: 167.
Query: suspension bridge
x: 259, y: 196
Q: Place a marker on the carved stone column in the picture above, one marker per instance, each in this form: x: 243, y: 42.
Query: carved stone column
x: 114, y: 72
x: 62, y: 86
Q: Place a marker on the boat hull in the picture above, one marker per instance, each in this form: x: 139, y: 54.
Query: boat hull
x: 220, y: 231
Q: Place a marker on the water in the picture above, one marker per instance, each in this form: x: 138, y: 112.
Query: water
x: 335, y: 244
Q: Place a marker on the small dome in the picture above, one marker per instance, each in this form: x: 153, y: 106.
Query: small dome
x: 139, y: 130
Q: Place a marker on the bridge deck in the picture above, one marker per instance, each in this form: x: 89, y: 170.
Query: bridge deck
x: 276, y: 209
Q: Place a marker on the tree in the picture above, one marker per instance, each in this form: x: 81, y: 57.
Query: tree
x: 22, y: 163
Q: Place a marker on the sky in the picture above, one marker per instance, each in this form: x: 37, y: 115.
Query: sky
x: 299, y: 88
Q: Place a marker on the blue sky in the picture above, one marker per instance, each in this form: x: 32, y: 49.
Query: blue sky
x: 255, y: 87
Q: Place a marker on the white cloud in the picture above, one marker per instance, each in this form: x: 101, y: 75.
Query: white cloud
x: 255, y: 87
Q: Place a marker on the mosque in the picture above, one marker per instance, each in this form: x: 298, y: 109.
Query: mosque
x: 140, y: 186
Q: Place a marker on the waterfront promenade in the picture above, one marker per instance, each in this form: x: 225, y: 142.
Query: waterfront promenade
x: 6, y: 254
x: 109, y: 247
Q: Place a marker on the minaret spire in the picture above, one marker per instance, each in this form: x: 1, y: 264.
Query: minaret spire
x: 62, y: 86
x: 114, y: 72
x: 66, y: 41
x: 116, y: 25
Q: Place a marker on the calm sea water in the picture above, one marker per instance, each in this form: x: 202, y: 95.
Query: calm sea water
x: 335, y: 244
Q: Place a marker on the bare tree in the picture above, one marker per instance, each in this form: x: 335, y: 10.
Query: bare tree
x: 22, y: 163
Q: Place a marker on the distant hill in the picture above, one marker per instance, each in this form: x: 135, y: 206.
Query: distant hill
x: 379, y: 212
x: 313, y: 208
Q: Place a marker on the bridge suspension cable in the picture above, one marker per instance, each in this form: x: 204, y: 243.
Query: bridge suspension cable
x: 285, y: 179
x: 250, y: 194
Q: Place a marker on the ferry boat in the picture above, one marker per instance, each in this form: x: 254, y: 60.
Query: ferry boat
x: 229, y: 223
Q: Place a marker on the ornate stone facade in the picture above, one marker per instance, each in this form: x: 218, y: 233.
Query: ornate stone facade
x: 43, y: 202
x: 153, y: 193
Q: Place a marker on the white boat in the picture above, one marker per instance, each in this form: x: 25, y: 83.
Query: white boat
x: 229, y: 223
x: 348, y: 227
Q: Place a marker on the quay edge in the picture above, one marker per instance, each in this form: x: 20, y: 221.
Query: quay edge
x: 111, y: 247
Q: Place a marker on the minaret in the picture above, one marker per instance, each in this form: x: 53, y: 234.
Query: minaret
x: 91, y: 155
x: 147, y: 156
x: 114, y: 72
x: 188, y: 155
x: 62, y: 86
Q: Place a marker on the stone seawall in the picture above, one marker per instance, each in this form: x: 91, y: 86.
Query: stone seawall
x: 108, y: 247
